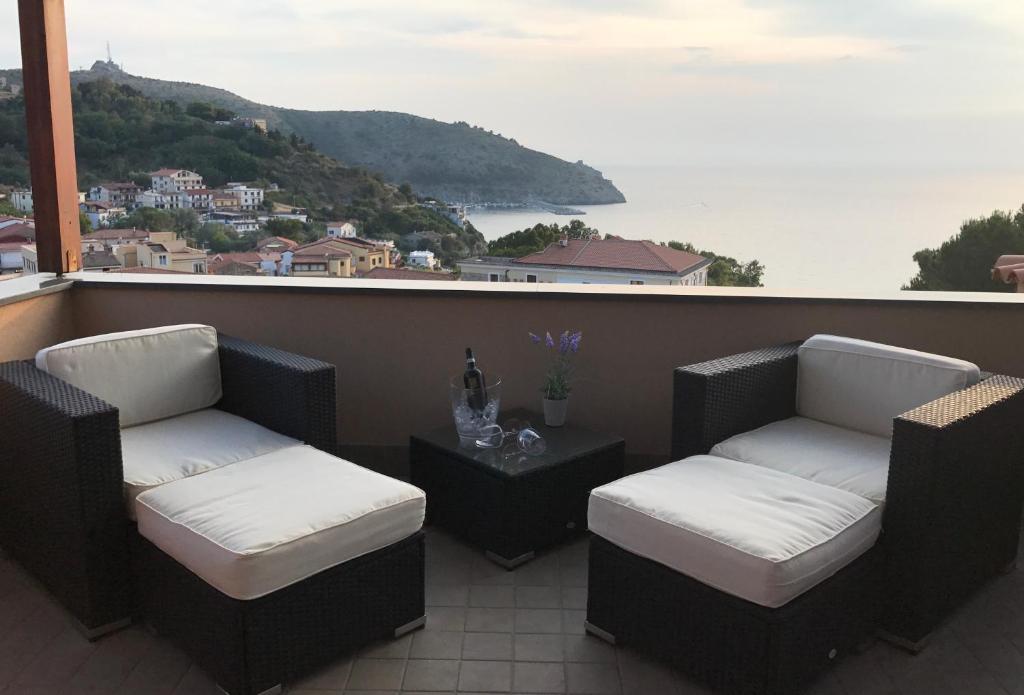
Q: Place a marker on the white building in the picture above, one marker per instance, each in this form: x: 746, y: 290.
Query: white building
x: 249, y: 198
x: 167, y: 180
x: 342, y: 230
x: 22, y: 200
x: 101, y: 214
x: 152, y: 199
x: 422, y: 259
x: 613, y: 261
x: 120, y: 194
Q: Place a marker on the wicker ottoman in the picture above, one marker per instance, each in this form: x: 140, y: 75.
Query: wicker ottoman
x: 264, y: 570
x: 751, y: 579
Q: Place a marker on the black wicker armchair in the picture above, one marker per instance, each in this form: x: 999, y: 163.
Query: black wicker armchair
x: 64, y: 517
x: 951, y: 521
x: 63, y: 509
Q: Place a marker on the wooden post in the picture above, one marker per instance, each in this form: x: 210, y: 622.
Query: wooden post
x: 51, y: 134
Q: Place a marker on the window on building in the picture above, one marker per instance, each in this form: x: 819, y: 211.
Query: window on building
x: 493, y: 277
x: 362, y: 259
x: 636, y: 282
x: 531, y: 278
x: 163, y: 260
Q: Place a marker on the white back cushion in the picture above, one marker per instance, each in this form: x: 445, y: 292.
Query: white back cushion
x: 149, y: 374
x: 863, y: 386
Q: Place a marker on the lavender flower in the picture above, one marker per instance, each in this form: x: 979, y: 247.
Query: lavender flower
x: 556, y: 381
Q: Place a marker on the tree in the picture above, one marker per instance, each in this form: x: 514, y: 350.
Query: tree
x: 537, y: 238
x: 725, y: 271
x: 289, y: 229
x: 964, y: 262
x: 83, y: 223
x: 151, y: 220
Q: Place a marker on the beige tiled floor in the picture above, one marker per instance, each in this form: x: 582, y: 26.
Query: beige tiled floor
x: 489, y: 630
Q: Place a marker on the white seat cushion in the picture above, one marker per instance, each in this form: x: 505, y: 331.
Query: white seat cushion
x: 863, y: 386
x: 826, y: 454
x: 260, y: 525
x: 178, y: 447
x: 749, y: 531
x: 148, y: 375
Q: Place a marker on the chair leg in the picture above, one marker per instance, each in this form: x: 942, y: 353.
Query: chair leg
x: 410, y: 626
x: 598, y: 632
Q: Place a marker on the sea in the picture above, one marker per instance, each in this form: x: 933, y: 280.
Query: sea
x: 823, y: 228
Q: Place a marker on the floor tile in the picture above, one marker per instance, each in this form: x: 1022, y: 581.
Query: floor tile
x: 377, y: 674
x: 593, y: 679
x: 537, y: 620
x: 490, y: 620
x: 487, y: 646
x: 436, y: 645
x: 492, y: 596
x: 539, y: 648
x: 538, y: 597
x: 431, y: 675
x: 486, y: 676
x: 538, y: 678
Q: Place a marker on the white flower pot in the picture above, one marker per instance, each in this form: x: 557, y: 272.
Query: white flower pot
x: 554, y: 412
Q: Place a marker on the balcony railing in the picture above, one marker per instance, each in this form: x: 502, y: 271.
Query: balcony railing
x: 397, y: 343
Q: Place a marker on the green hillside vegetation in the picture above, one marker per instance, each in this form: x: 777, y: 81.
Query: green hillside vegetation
x: 724, y: 270
x: 964, y: 262
x: 120, y: 134
x: 447, y: 161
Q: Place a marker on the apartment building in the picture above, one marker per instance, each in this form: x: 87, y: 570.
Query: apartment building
x: 168, y: 180
x: 101, y: 214
x: 342, y: 230
x: 248, y: 197
x: 366, y: 254
x: 163, y: 250
x: 22, y: 200
x: 613, y: 261
x: 323, y: 258
x: 121, y: 194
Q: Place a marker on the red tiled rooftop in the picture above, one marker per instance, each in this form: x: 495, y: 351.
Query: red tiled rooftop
x: 405, y: 274
x: 614, y: 253
x: 275, y: 240
x: 141, y: 270
x: 1009, y: 269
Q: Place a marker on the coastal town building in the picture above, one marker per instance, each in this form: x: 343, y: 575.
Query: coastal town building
x: 366, y: 254
x: 101, y: 214
x: 122, y: 194
x: 248, y: 197
x: 613, y: 261
x: 323, y: 258
x: 22, y: 200
x: 275, y: 244
x: 422, y: 259
x: 1010, y: 270
x: 345, y: 229
x: 248, y: 263
x: 162, y: 250
x: 406, y: 274
x: 168, y: 180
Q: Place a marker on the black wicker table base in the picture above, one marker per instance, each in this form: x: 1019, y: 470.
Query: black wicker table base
x: 728, y: 643
x: 253, y: 647
x: 513, y: 506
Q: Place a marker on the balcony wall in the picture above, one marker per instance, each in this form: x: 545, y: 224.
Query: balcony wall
x: 396, y: 344
x: 32, y: 317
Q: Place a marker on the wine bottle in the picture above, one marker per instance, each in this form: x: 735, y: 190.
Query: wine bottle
x: 473, y: 380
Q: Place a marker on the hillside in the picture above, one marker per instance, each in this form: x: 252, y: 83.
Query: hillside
x: 120, y: 134
x: 455, y: 162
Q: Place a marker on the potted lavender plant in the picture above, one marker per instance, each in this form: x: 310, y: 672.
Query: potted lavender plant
x: 556, y: 382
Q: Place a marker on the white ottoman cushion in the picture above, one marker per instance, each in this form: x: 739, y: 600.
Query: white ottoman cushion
x: 749, y: 531
x: 260, y: 525
x: 816, y: 451
x: 148, y: 375
x: 863, y: 386
x: 178, y: 447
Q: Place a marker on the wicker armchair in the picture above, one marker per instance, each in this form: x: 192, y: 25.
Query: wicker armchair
x: 953, y: 506
x: 950, y: 521
x: 63, y: 509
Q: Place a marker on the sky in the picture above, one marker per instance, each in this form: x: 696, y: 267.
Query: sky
x: 923, y: 83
